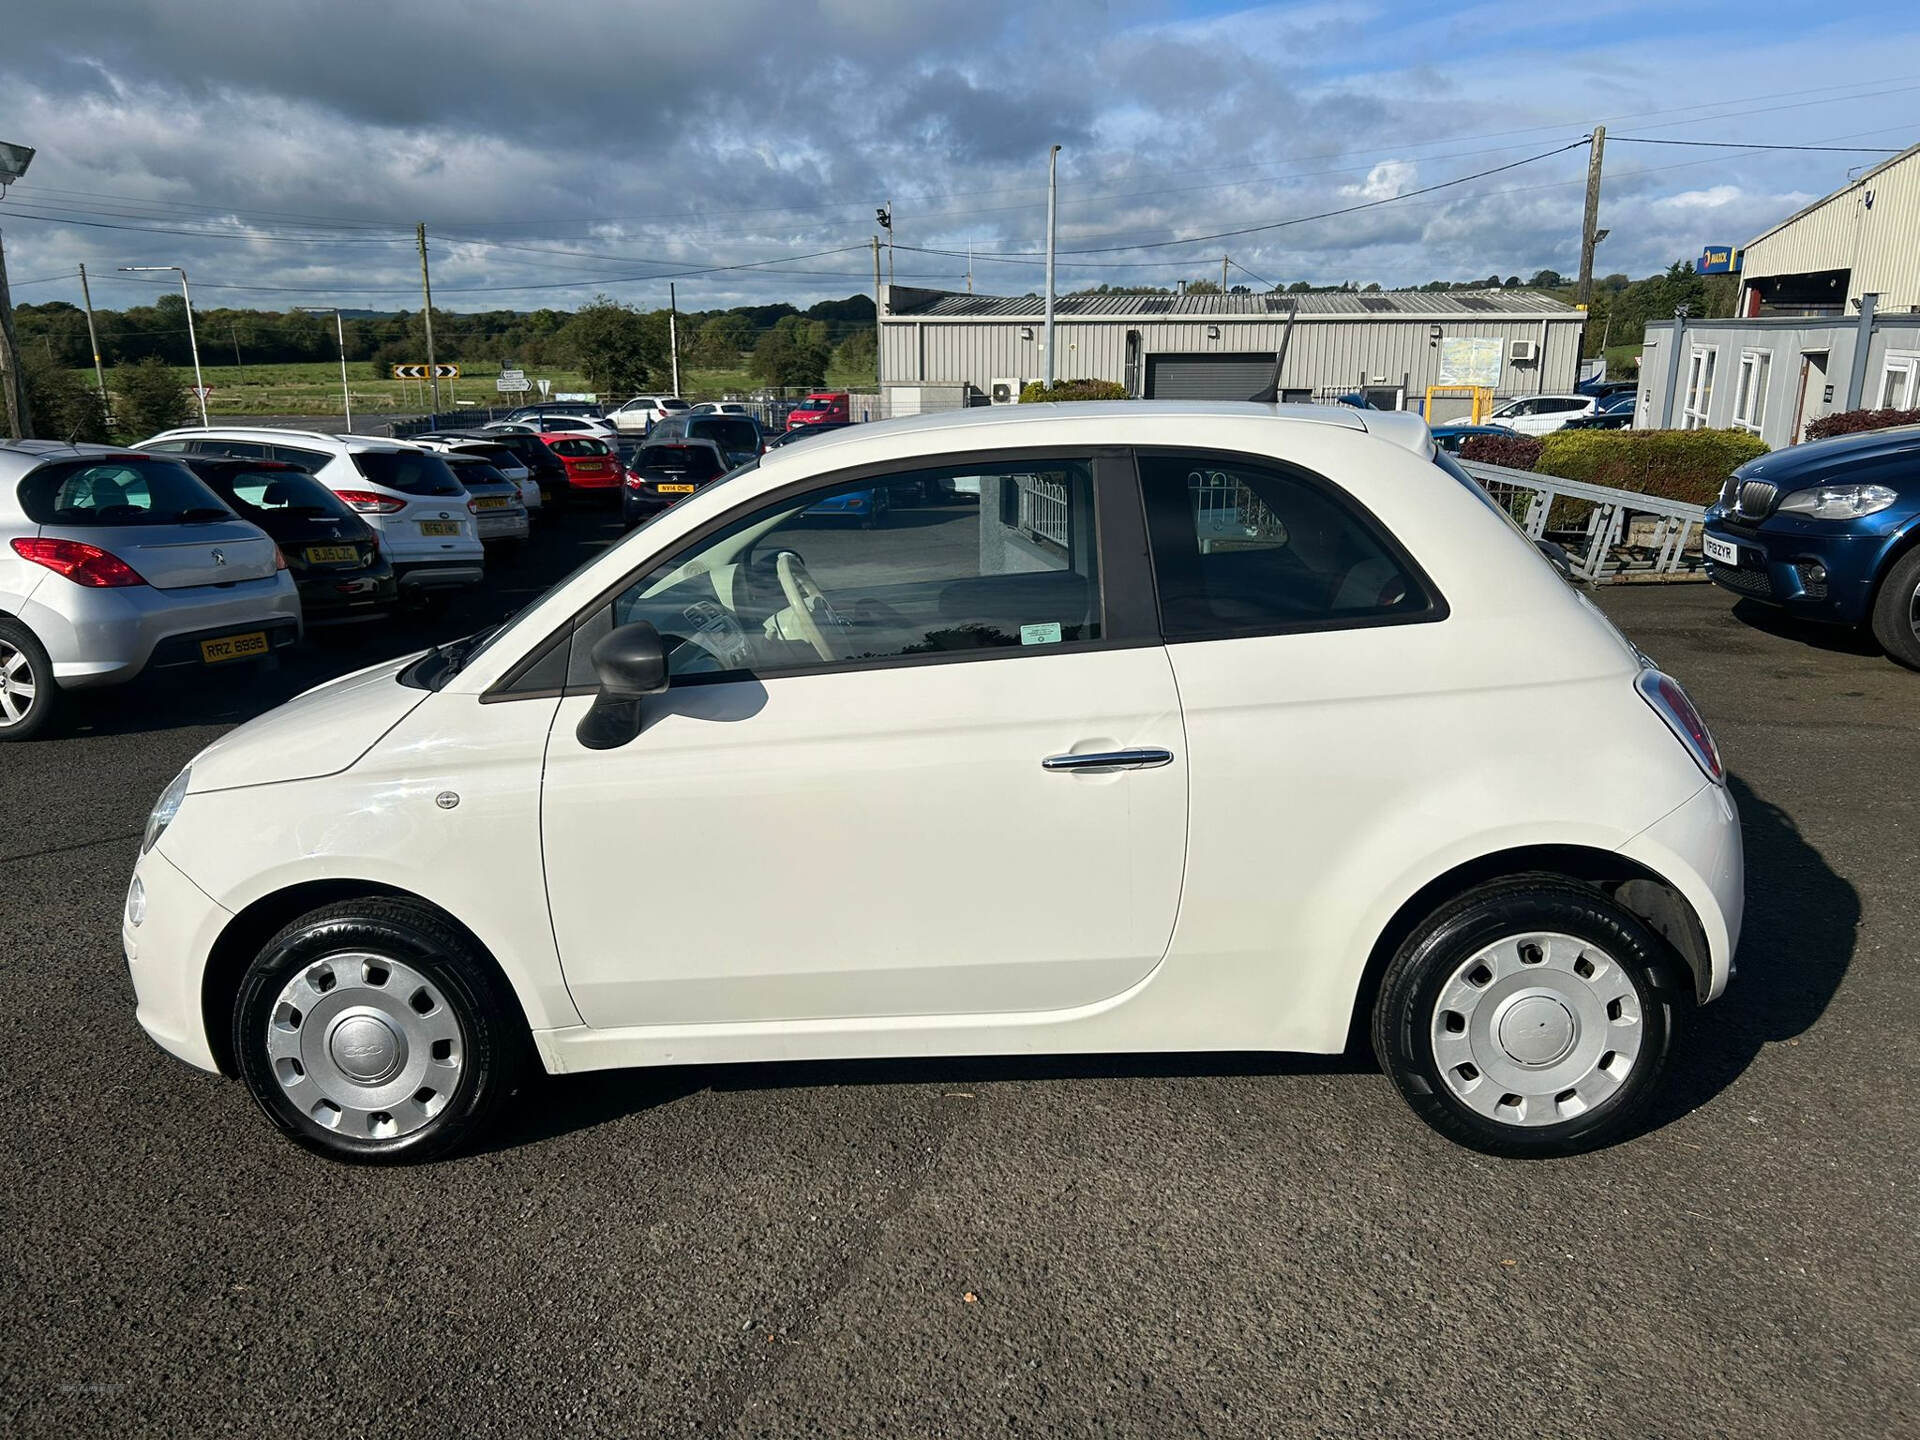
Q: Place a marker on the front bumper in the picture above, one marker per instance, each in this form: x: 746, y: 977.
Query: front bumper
x: 1697, y: 849
x: 330, y: 599
x: 107, y: 636
x: 1814, y: 569
x: 167, y: 957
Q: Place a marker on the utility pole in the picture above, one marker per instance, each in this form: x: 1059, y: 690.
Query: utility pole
x: 19, y: 418
x: 1053, y: 154
x: 1223, y: 274
x: 879, y: 330
x: 426, y: 295
x: 1590, y: 233
x: 673, y: 337
x: 889, y: 242
x: 99, y: 372
x: 969, y: 267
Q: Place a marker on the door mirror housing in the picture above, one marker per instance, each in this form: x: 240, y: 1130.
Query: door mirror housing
x: 630, y: 663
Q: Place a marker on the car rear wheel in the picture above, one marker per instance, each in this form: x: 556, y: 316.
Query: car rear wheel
x: 373, y: 1031
x: 1527, y: 1018
x: 1896, y: 611
x: 28, y: 696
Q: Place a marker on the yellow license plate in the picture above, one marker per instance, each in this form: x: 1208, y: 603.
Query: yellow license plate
x: 439, y: 527
x: 234, y: 647
x: 674, y: 489
x: 491, y: 502
x: 331, y: 554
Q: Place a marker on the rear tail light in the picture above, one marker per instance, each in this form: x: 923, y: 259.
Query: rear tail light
x: 279, y: 558
x: 367, y: 501
x: 1671, y: 704
x: 81, y: 563
x: 473, y: 507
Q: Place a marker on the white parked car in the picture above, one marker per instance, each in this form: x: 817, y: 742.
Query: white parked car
x: 1201, y: 731
x: 557, y: 425
x: 1542, y: 414
x: 642, y: 412
x: 424, y: 516
x: 113, y: 564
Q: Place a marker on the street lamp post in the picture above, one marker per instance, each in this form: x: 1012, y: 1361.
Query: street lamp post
x: 193, y: 343
x: 340, y: 333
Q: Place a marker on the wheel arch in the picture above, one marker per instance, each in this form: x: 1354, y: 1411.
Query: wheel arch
x: 1895, y: 550
x: 1649, y: 897
x: 251, y: 927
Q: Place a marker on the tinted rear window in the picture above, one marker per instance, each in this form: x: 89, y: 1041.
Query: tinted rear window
x: 477, y: 472
x: 79, y: 493
x: 695, y: 460
x: 411, y: 472
x: 278, y: 492
x: 579, y: 447
x: 306, y: 459
x: 492, y: 454
x: 740, y: 436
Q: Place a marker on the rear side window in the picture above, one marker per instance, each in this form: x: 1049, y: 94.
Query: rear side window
x: 411, y: 472
x: 82, y: 493
x: 233, y: 449
x: 1241, y: 548
x: 312, y: 461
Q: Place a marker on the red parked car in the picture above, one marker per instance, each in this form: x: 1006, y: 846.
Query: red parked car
x: 822, y: 407
x: 592, y: 465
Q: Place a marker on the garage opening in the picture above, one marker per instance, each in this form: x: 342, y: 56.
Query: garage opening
x: 1208, y: 377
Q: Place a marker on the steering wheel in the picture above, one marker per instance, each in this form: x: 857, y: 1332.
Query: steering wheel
x: 807, y: 602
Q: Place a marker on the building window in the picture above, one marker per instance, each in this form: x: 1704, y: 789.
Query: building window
x: 1900, y: 383
x: 1750, y: 401
x: 1699, y: 389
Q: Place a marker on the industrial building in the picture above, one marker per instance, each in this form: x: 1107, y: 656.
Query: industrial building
x: 941, y: 348
x: 1828, y: 320
x: 1864, y: 239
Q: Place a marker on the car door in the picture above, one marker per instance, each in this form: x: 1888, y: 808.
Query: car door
x: 934, y: 768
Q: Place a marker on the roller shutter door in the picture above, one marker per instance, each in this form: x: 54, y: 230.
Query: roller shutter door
x: 1207, y: 377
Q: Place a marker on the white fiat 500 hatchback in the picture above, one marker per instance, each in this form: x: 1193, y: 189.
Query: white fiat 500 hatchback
x: 1180, y: 727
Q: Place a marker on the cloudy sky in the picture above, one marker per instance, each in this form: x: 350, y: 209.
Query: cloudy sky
x: 283, y: 150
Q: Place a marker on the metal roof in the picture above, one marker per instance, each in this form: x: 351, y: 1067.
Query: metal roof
x: 1852, y: 185
x: 943, y: 304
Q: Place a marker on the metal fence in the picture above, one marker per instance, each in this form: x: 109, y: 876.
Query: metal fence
x: 1043, y: 510
x: 1609, y: 535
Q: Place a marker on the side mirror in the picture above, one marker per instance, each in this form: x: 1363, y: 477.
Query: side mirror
x: 630, y: 663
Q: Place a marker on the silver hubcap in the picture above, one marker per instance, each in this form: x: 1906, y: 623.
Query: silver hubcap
x: 16, y: 685
x: 1537, y: 1029
x: 365, y: 1045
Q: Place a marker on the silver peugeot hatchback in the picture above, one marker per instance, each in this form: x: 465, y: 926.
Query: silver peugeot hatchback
x: 113, y: 563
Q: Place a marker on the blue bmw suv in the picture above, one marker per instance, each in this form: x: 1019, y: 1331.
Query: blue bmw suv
x: 1828, y: 531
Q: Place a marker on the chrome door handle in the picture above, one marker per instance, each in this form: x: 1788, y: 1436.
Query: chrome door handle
x: 1143, y: 759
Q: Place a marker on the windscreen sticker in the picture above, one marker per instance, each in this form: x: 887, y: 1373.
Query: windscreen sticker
x: 1047, y: 634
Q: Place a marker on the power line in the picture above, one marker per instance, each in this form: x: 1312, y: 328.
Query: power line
x: 1751, y: 145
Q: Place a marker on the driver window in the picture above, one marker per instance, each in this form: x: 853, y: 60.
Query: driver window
x: 993, y: 556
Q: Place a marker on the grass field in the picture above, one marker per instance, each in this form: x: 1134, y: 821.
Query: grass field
x: 314, y: 389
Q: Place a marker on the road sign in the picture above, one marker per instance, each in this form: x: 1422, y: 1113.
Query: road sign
x: 512, y: 382
x: 426, y: 372
x: 545, y: 386
x: 201, y: 392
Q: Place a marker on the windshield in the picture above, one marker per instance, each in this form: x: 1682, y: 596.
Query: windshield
x: 144, y: 491
x: 411, y: 472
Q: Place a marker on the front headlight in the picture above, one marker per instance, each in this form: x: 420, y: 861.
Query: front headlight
x: 1838, y: 502
x: 164, y: 809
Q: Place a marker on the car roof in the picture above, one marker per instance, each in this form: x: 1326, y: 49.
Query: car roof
x: 679, y: 442
x: 18, y: 457
x: 271, y: 434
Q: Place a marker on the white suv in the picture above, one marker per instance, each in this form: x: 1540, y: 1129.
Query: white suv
x: 424, y: 516
x: 1542, y: 414
x: 1217, y: 701
x: 643, y: 412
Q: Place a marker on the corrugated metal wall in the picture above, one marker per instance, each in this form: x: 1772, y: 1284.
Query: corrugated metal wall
x: 1879, y: 243
x: 1332, y: 353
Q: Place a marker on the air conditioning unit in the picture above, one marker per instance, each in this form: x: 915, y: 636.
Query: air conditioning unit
x: 1523, y: 352
x: 1004, y: 392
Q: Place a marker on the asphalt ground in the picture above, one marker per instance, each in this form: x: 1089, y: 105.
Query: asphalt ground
x: 1174, y: 1246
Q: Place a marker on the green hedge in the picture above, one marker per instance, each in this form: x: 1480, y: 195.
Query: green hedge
x: 1851, y: 422
x: 1036, y: 392
x: 1685, y: 465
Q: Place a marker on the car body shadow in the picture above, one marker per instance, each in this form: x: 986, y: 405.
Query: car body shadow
x: 1797, y: 940
x: 1841, y: 639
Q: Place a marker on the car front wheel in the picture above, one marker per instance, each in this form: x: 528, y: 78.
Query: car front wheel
x: 1528, y: 1018
x: 372, y: 1030
x: 1896, y: 611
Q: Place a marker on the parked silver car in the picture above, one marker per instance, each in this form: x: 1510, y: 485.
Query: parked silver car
x: 113, y: 563
x: 497, y: 508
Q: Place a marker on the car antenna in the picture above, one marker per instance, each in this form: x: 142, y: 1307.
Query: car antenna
x: 1270, y: 394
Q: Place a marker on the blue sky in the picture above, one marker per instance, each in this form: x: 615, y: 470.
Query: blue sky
x: 282, y: 151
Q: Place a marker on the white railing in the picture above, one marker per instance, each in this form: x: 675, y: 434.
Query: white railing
x: 1622, y: 535
x: 1043, y: 508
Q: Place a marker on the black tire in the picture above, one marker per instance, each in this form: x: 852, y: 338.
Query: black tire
x: 25, y: 660
x: 491, y: 1045
x: 1896, y: 611
x: 1408, y: 1012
